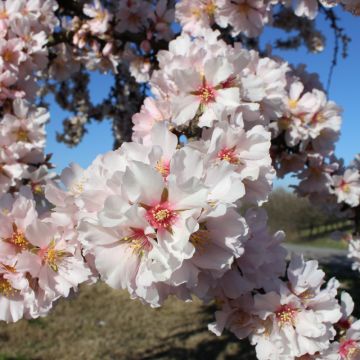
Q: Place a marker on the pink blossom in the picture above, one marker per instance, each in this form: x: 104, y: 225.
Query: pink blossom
x: 144, y: 121
x: 131, y: 16
x: 347, y: 187
x: 195, y: 16
x: 206, y: 90
x: 100, y: 17
x: 244, y: 16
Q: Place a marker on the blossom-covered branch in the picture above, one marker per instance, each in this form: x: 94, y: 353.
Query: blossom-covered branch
x: 175, y: 211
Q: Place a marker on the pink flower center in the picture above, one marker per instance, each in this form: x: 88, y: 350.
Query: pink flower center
x: 228, y: 155
x: 349, y: 350
x: 318, y: 118
x: 344, y: 186
x: 206, y: 93
x: 286, y: 314
x: 161, y: 216
x: 51, y: 256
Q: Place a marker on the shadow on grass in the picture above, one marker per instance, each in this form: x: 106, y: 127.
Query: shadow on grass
x: 201, y: 345
x: 226, y: 347
x: 349, y: 280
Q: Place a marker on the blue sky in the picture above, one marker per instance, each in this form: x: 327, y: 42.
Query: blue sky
x: 344, y: 91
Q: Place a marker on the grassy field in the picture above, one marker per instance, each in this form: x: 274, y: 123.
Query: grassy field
x: 104, y: 324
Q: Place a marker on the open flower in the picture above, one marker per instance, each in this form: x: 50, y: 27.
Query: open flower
x: 15, y: 293
x: 207, y: 91
x: 54, y: 259
x: 347, y: 187
x: 244, y: 16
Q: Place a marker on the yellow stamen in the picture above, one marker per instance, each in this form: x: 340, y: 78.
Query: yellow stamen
x: 3, y: 15
x: 52, y: 257
x: 292, y: 104
x: 162, y: 168
x: 77, y: 188
x: 5, y: 288
x: 22, y: 135
x: 100, y: 15
x: 210, y: 8
x: 18, y: 238
x: 346, y: 188
x: 139, y: 243
x: 8, y: 56
x: 37, y: 189
x: 286, y: 315
x: 196, y: 12
x: 307, y: 294
x: 161, y: 215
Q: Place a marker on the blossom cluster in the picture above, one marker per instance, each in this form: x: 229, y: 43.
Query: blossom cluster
x: 299, y: 318
x: 303, y: 143
x: 335, y: 187
x: 123, y: 37
x: 171, y: 209
x: 95, y: 33
x: 165, y: 214
x: 24, y: 30
x: 40, y: 260
x: 22, y: 142
x: 203, y: 81
x: 246, y: 17
x: 290, y: 319
x: 31, y: 245
x: 308, y: 129
x: 168, y: 212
